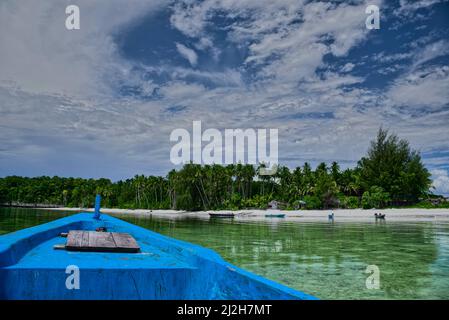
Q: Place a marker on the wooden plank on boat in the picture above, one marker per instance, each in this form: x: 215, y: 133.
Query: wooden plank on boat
x: 74, y: 238
x: 101, y: 242
x: 124, y: 240
x: 84, y: 239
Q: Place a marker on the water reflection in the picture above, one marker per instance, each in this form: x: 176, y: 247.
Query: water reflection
x: 12, y: 219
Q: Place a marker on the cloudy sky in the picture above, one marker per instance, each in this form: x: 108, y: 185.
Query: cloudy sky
x: 102, y: 101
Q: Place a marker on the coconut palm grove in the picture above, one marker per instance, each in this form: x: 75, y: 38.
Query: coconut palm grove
x: 391, y: 174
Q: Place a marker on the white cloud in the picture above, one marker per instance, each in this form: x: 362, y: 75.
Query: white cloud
x: 189, y: 19
x: 39, y: 54
x: 179, y: 91
x: 204, y: 43
x: 408, y: 7
x: 431, y: 51
x: 63, y: 94
x: 285, y: 49
x: 347, y: 67
x: 40, y: 58
x: 187, y: 53
x: 387, y: 58
x: 300, y: 48
x: 427, y: 88
x: 440, y: 181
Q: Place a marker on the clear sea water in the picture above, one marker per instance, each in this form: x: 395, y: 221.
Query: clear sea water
x: 323, y: 259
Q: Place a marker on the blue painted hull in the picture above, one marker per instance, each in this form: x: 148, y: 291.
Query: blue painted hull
x: 165, y: 268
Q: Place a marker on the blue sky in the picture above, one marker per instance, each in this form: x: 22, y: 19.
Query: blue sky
x: 101, y: 101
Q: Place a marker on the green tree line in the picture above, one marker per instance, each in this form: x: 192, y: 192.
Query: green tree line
x: 391, y: 174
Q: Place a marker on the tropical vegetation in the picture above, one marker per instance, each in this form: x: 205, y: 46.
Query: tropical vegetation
x: 391, y: 174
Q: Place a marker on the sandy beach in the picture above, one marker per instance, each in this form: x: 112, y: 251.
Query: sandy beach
x: 347, y: 215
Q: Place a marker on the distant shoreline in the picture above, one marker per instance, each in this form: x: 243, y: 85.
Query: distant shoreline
x: 29, y: 205
x: 290, y: 215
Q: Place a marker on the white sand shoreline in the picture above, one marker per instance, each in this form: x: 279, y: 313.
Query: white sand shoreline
x: 347, y: 215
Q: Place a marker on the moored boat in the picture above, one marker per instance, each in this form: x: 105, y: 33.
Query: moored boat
x: 221, y: 215
x: 159, y: 268
x: 273, y: 211
x: 275, y: 215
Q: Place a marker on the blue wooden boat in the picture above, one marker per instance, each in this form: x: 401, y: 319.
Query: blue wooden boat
x: 164, y: 268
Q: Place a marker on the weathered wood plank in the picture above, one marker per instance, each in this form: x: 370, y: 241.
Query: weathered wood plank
x: 85, y: 239
x: 74, y: 238
x: 125, y: 241
x: 101, y: 242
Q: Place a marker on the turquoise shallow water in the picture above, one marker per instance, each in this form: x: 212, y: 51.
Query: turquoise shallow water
x: 326, y: 260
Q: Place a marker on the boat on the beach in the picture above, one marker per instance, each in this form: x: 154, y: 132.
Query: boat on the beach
x: 273, y: 211
x: 114, y: 259
x: 221, y: 214
x: 275, y: 215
